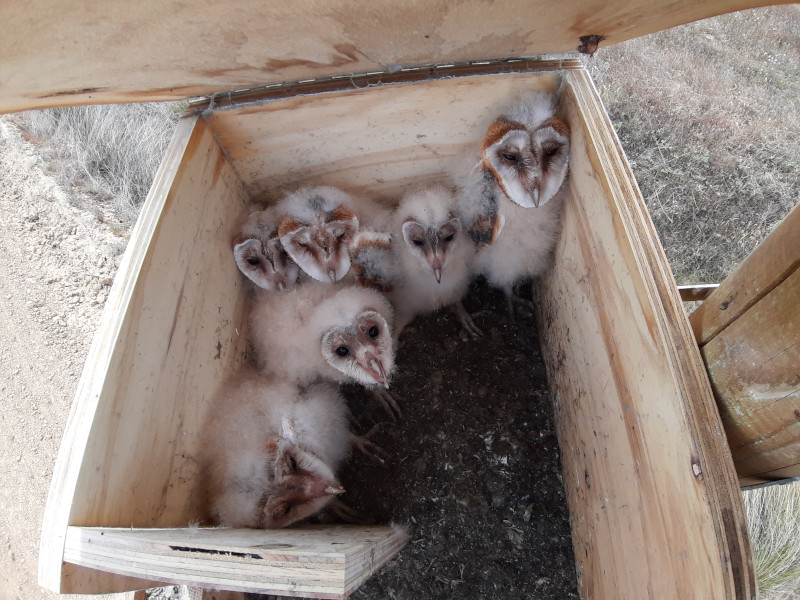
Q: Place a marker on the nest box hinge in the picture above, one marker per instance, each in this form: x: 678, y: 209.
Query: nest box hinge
x: 394, y: 74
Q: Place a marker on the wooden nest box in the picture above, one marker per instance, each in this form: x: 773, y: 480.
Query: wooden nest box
x: 389, y: 92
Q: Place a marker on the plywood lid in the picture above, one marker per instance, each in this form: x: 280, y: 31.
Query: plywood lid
x: 56, y: 53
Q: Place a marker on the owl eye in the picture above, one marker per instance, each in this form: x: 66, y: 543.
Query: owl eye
x: 292, y: 463
x: 450, y: 237
x: 253, y: 261
x: 343, y: 351
x: 510, y: 157
x: 373, y: 331
x: 550, y: 152
x: 418, y: 242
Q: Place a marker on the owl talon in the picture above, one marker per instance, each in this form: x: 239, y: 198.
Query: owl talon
x: 369, y: 448
x: 466, y: 320
x: 347, y: 514
x: 388, y: 401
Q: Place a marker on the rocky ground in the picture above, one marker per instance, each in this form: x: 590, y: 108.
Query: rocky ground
x: 58, y: 258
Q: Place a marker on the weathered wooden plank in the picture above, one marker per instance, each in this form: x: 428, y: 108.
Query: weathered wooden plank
x: 318, y: 562
x: 696, y: 293
x: 783, y: 475
x: 57, y: 53
x: 166, y: 339
x: 777, y: 257
x: 654, y: 502
x: 754, y: 366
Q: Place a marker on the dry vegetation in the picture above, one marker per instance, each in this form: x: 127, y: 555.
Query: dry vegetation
x: 709, y: 116
x: 109, y: 152
x: 773, y: 516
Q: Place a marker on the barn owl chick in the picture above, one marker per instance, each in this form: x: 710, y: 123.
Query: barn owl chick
x: 527, y: 151
x: 323, y: 332
x: 259, y: 254
x: 432, y: 257
x: 321, y: 227
x: 271, y: 451
x: 518, y: 186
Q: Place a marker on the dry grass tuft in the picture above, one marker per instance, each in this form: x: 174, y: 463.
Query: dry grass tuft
x: 111, y: 152
x: 709, y: 116
x: 773, y: 514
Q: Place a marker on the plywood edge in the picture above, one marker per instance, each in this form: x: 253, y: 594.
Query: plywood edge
x: 711, y: 461
x: 317, y: 562
x: 81, y: 416
x: 777, y: 257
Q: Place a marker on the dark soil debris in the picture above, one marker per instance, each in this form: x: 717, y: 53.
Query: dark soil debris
x: 474, y: 467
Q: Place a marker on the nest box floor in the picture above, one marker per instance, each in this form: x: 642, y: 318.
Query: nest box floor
x: 474, y: 466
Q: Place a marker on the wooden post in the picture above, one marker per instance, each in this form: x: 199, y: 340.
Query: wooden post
x: 748, y: 331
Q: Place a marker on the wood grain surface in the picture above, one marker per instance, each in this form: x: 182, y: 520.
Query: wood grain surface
x: 83, y: 52
x: 749, y: 333
x: 775, y: 259
x: 168, y: 337
x: 754, y: 366
x: 655, y: 506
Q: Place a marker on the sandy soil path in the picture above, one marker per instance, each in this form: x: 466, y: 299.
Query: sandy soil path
x: 57, y: 262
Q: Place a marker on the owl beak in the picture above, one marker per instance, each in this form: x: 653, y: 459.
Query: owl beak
x: 375, y: 370
x: 333, y: 489
x: 332, y: 275
x: 436, y: 266
x: 317, y: 486
x: 533, y: 191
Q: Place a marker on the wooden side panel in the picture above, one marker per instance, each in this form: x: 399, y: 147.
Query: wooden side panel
x: 655, y: 506
x: 754, y: 366
x: 169, y: 334
x: 312, y: 561
x: 59, y: 53
x: 376, y: 141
